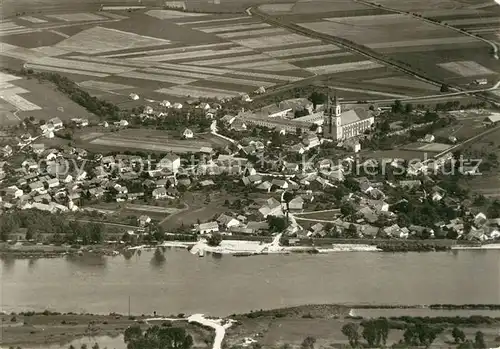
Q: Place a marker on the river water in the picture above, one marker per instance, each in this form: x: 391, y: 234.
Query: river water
x: 183, y: 283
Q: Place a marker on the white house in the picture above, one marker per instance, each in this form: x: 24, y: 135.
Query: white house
x: 207, y: 228
x: 170, y: 162
x: 56, y: 123
x: 53, y: 183
x: 159, y: 193
x: 177, y: 105
x: 133, y: 96
x: 13, y: 192
x: 165, y: 104
x: 187, y: 134
x: 37, y: 187
x: 148, y: 110
x: 123, y: 123
x: 144, y: 220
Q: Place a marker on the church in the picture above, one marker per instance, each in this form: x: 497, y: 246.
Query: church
x: 341, y: 125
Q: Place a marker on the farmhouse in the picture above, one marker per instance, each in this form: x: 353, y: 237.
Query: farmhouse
x: 165, y: 104
x: 340, y: 125
x: 133, y: 96
x: 13, y: 192
x: 187, y: 134
x: 56, y: 123
x: 210, y: 227
x: 6, y: 151
x: 171, y: 162
x: 492, y: 119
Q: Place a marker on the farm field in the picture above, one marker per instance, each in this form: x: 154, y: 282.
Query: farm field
x: 21, y: 98
x: 149, y: 140
x: 163, y: 54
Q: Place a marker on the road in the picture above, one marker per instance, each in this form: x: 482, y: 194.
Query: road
x: 105, y: 223
x: 442, y: 24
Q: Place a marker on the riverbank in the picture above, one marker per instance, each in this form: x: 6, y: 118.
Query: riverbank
x: 243, y: 246
x: 267, y: 327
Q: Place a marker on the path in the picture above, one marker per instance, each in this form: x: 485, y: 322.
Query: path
x: 186, y: 207
x: 378, y: 6
x: 320, y: 211
x: 216, y: 324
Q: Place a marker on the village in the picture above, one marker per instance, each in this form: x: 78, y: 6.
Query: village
x: 294, y: 168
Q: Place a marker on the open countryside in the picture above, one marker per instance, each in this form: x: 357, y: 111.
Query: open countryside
x: 194, y: 174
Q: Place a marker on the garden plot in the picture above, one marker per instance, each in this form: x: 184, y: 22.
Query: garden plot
x: 24, y: 54
x: 418, y: 5
x: 190, y: 55
x: 468, y: 21
x: 425, y: 42
x: 275, y: 41
x: 344, y: 67
x: 33, y: 19
x: 77, y: 17
x: 100, y: 40
x: 186, y: 74
x: 103, y: 85
x: 244, y: 82
x: 192, y: 68
x: 231, y: 60
x: 40, y: 67
x: 390, y: 28
x: 90, y: 66
x: 453, y: 12
x: 302, y: 50
x: 276, y: 8
x: 230, y: 28
x: 156, y: 77
x: 145, y: 143
x: 403, y: 82
x: 171, y: 50
x: 4, y: 77
x: 212, y: 21
x: 19, y: 102
x: 198, y: 92
x: 50, y: 51
x: 466, y: 68
x: 315, y: 57
x: 272, y: 65
x: 122, y: 8
x: 168, y: 14
x: 309, y: 7
x: 266, y: 76
x: 255, y: 32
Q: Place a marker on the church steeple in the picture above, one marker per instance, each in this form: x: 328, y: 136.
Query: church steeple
x: 338, y: 108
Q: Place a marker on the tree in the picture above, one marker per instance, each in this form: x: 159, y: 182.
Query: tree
x: 397, y: 107
x: 317, y: 98
x: 369, y: 333
x: 276, y: 224
x: 214, y: 239
x: 350, y: 330
x: 458, y: 335
x: 158, y: 337
x: 479, y: 342
x: 444, y: 88
x: 347, y: 209
x: 308, y: 343
x: 408, y: 108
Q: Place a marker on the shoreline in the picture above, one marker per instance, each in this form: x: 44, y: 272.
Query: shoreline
x: 236, y: 247
x: 47, y: 328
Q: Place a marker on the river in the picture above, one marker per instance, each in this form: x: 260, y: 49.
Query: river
x: 183, y: 283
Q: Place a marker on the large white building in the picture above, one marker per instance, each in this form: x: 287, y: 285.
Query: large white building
x: 340, y: 125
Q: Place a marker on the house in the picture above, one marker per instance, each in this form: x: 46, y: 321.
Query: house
x: 238, y: 125
x: 159, y: 193
x: 37, y: 187
x: 266, y: 186
x: 272, y: 207
x: 204, y: 106
x: 13, y: 192
x: 38, y: 148
x: 280, y: 183
x: 171, y: 162
x: 227, y: 221
x: 187, y: 134
x: 6, y: 151
x: 317, y: 230
x: 296, y: 203
x: 428, y: 138
x: 143, y: 220
x: 79, y: 122
x: 123, y: 123
x: 482, y: 81
x: 53, y: 183
x: 492, y: 119
x: 165, y: 104
x: 207, y: 183
x: 177, y: 105
x: 207, y: 228
x: 56, y: 123
x: 291, y: 167
x: 133, y: 96
x: 480, y: 219
x: 96, y: 192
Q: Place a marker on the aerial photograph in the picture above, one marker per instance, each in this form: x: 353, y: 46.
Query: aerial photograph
x: 261, y: 174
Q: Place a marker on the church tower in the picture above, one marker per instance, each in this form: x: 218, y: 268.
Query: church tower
x: 332, y: 119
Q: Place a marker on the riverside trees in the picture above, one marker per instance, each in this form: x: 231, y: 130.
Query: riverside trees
x: 157, y: 337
